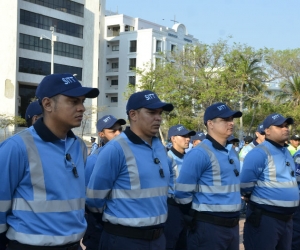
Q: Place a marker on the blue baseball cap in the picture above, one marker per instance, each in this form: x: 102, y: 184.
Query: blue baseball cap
x: 276, y: 119
x: 232, y: 139
x: 198, y: 136
x: 64, y: 84
x: 179, y: 130
x: 146, y: 99
x: 220, y: 110
x: 34, y: 108
x: 260, y: 129
x: 108, y: 121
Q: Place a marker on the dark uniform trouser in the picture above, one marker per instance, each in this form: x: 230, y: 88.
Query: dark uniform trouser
x: 175, y: 229
x: 207, y: 236
x: 113, y: 242
x: 296, y: 230
x: 271, y: 233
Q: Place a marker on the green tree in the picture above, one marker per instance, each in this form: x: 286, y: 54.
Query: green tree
x: 7, y: 120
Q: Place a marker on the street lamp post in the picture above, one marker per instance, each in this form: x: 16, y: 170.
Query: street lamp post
x: 53, y: 39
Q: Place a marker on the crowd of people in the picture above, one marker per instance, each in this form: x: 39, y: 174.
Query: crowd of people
x: 135, y: 193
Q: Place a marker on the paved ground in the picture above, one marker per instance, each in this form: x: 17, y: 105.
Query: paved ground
x: 242, y: 220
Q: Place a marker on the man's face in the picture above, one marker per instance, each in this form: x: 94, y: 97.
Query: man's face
x: 146, y: 122
x: 295, y: 143
x: 278, y: 134
x: 181, y: 142
x: 260, y: 137
x: 196, y: 142
x: 221, y: 127
x: 67, y: 112
x: 108, y: 134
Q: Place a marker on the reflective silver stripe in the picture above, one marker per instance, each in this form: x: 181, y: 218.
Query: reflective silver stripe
x: 216, y: 170
x: 271, y: 165
x: 277, y: 184
x: 35, y: 166
x: 186, y: 187
x: 83, y: 149
x: 220, y: 189
x: 97, y: 194
x: 139, y: 193
x: 184, y: 200
x: 279, y: 203
x: 3, y: 228
x: 55, y: 206
x: 131, y: 163
x: 248, y: 185
x: 38, y: 239
x: 95, y: 209
x: 135, y: 222
x: 5, y: 205
x: 215, y: 208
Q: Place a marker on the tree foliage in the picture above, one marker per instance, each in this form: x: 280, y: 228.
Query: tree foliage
x: 239, y: 75
x: 7, y: 120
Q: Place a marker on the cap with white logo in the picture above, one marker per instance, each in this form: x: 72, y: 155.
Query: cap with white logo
x: 179, y: 130
x: 220, y: 110
x: 146, y: 99
x: 108, y: 121
x: 276, y: 119
x: 64, y: 84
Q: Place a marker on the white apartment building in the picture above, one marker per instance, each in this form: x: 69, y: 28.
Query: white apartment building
x: 26, y: 59
x: 131, y: 43
x: 100, y: 50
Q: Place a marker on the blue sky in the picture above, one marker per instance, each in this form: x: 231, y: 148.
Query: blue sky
x: 257, y: 23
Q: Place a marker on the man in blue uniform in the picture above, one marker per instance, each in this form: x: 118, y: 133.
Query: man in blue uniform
x: 42, y: 192
x: 296, y: 217
x: 268, y: 180
x: 33, y: 112
x: 108, y: 128
x: 175, y: 230
x: 94, y: 146
x: 130, y: 180
x: 197, y: 138
x: 209, y: 183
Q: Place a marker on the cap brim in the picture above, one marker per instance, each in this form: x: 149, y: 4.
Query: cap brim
x: 165, y: 106
x: 288, y: 120
x: 234, y: 114
x: 82, y: 91
x: 121, y: 121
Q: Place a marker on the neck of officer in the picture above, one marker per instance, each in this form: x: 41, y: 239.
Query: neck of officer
x: 222, y: 139
x: 57, y: 130
x: 145, y: 137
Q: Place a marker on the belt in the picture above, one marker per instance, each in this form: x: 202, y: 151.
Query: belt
x: 133, y: 232
x: 216, y: 220
x: 283, y: 217
x: 15, y: 245
x: 171, y: 201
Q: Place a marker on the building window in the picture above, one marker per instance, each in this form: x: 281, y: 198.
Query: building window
x: 132, y: 63
x: 173, y: 47
x: 27, y: 93
x: 114, y: 65
x: 44, y: 68
x: 45, y: 22
x: 132, y: 80
x: 67, y: 6
x: 158, y: 46
x: 114, y: 82
x: 115, y: 48
x: 114, y: 99
x: 44, y: 45
x: 129, y: 28
x: 132, y: 47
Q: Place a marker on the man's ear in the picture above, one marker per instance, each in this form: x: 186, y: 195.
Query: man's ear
x: 133, y: 115
x: 47, y: 104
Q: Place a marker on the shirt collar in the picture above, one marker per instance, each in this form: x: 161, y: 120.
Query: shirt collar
x: 255, y: 143
x: 44, y: 132
x: 276, y: 144
x: 178, y: 154
x: 133, y: 137
x: 216, y: 144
